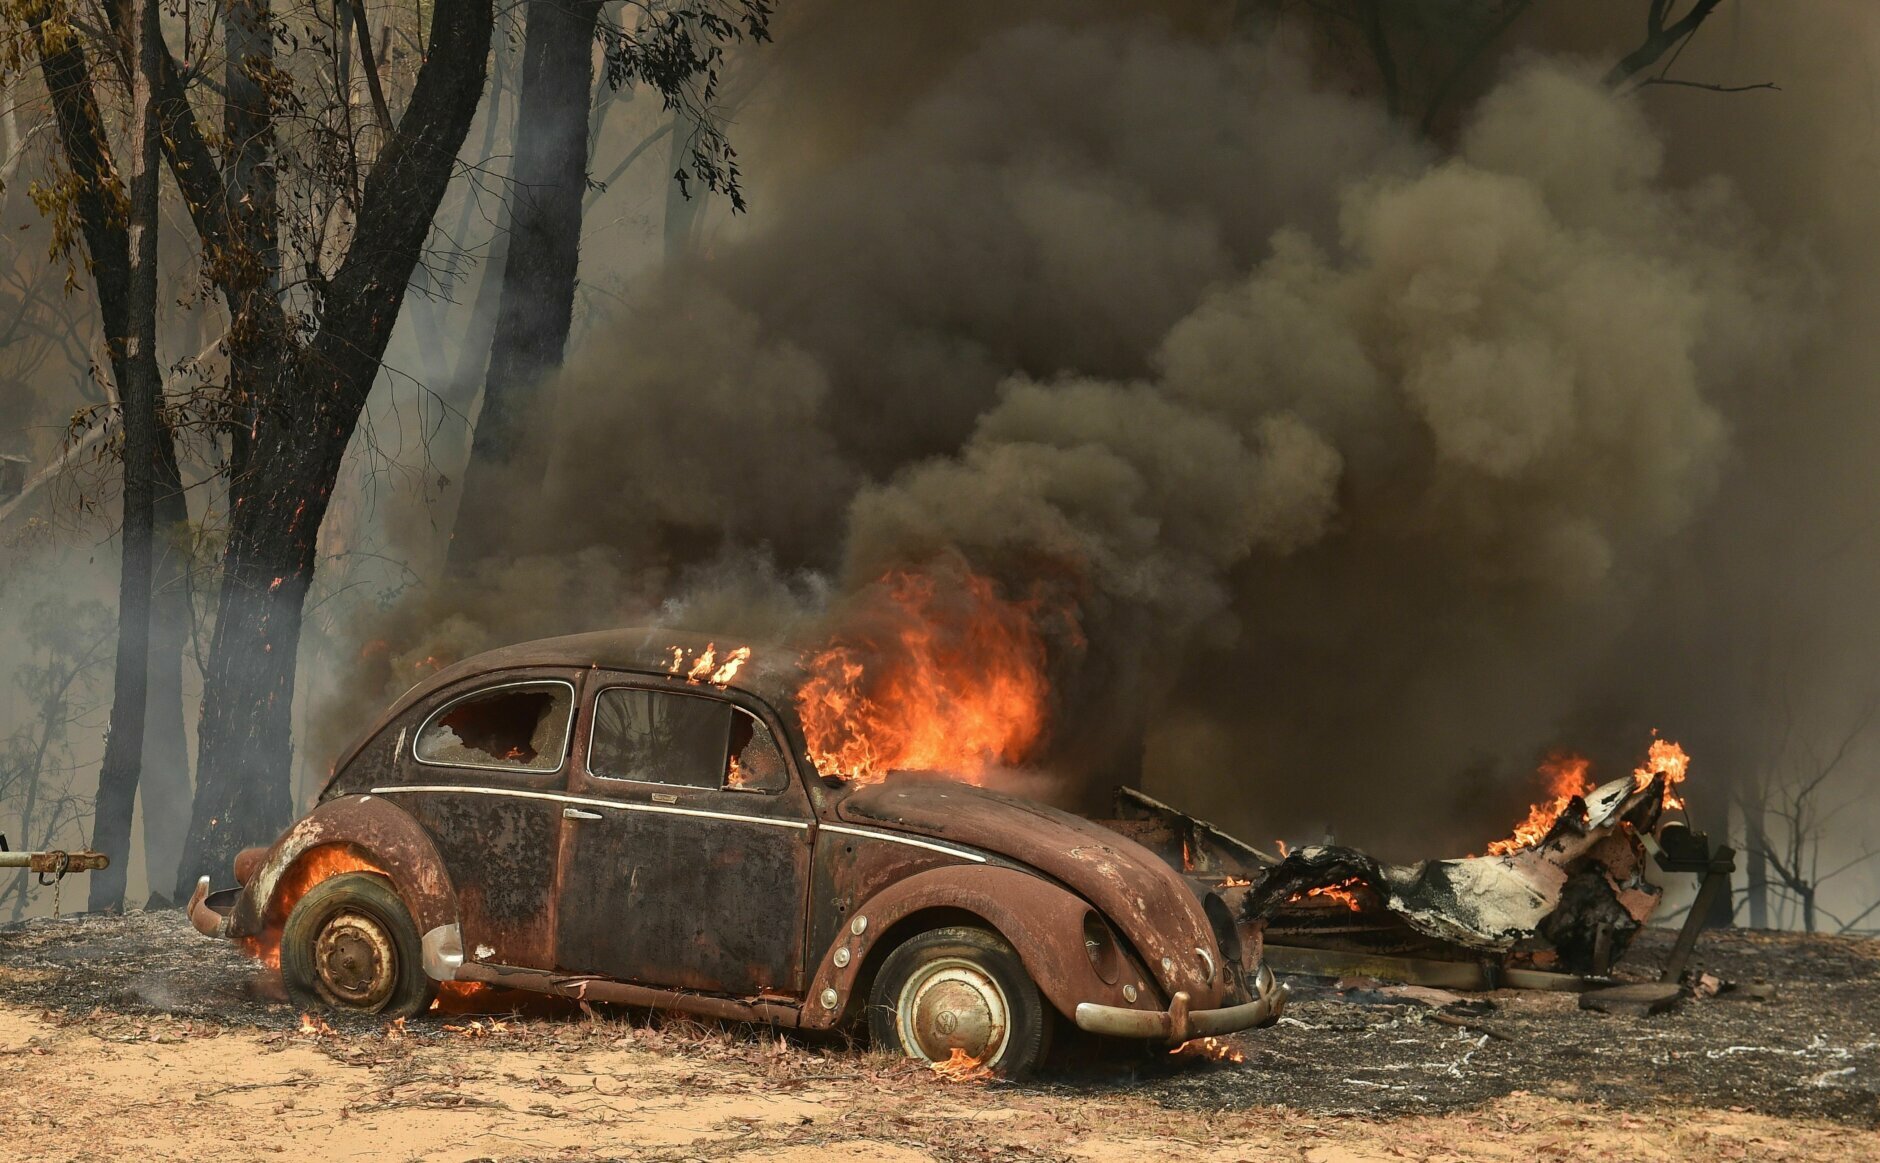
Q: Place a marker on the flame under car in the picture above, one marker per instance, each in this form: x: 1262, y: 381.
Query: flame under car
x: 583, y: 817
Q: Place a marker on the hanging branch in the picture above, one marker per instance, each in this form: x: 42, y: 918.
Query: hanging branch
x: 380, y: 109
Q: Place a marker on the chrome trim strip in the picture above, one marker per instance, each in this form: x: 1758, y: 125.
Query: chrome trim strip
x: 908, y: 840
x: 567, y: 729
x: 557, y: 797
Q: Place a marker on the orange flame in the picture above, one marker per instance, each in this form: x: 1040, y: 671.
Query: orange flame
x: 1669, y: 759
x: 961, y: 1067
x: 927, y: 676
x: 1566, y: 778
x: 460, y: 997
x: 1340, y: 893
x: 314, y: 1027
x: 710, y: 666
x: 1211, y: 1049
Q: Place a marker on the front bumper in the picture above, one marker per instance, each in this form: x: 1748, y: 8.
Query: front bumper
x: 1178, y: 1023
x: 209, y: 912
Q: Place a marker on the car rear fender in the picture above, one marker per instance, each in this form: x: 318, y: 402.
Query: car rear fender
x: 1043, y: 923
x: 379, y: 835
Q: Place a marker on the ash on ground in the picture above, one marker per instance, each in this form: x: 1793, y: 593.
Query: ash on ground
x: 1813, y: 1050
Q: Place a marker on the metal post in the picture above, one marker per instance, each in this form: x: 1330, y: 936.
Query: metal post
x: 1716, y: 880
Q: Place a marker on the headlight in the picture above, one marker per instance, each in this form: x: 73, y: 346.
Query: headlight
x: 1100, y: 944
x: 1226, y: 933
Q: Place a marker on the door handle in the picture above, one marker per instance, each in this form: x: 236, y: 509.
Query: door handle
x: 578, y: 814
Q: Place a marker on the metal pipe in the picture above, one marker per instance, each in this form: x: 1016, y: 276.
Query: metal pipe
x: 55, y: 861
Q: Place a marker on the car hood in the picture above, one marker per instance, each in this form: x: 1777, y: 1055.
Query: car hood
x: 1144, y: 898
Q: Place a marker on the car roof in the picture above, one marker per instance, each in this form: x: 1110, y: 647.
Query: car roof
x: 770, y: 671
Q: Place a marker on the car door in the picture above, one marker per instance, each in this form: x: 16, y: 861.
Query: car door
x: 484, y: 773
x: 685, y: 844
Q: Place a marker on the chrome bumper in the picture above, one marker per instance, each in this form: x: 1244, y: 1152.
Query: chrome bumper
x: 209, y: 911
x: 1178, y: 1023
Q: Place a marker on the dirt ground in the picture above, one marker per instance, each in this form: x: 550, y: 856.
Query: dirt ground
x: 132, y: 1037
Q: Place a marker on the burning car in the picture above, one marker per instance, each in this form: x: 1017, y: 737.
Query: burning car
x: 624, y: 817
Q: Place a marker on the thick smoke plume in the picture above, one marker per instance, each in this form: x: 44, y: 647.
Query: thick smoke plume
x: 1354, y: 458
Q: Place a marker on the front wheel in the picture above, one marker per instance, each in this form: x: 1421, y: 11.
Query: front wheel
x: 349, y: 944
x: 960, y: 994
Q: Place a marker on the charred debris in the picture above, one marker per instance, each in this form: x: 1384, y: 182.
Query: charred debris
x: 1555, y: 914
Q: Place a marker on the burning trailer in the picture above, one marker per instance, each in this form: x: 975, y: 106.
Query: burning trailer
x: 1552, y: 907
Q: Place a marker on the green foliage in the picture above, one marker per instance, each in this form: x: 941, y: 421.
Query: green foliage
x: 678, y: 51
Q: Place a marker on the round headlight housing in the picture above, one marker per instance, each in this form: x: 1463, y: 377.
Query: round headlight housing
x: 1105, y: 958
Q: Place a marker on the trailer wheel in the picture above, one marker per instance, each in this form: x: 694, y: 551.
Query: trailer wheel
x: 960, y: 993
x: 350, y: 945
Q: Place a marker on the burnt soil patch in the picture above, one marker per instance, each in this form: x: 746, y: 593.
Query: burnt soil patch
x: 1811, y: 1051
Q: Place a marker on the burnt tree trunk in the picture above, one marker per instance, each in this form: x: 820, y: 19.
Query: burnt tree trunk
x: 536, y: 310
x: 163, y: 790
x: 248, y: 258
x: 302, y: 422
x: 139, y: 385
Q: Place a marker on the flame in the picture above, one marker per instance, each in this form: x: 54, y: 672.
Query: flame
x: 927, y: 676
x: 962, y: 1067
x: 1210, y: 1049
x: 1566, y: 778
x: 461, y: 997
x: 1284, y: 851
x: 1668, y: 759
x: 312, y: 868
x: 1569, y: 776
x: 1340, y: 893
x: 709, y: 666
x: 314, y: 1027
x: 1235, y: 882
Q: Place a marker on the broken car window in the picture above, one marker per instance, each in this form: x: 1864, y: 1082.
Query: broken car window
x: 651, y: 736
x: 522, y: 726
x: 660, y: 737
x: 756, y: 764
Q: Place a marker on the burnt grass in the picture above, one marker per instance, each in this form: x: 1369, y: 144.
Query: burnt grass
x: 1812, y: 1051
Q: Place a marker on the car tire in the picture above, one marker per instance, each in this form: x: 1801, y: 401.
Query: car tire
x: 350, y: 945
x: 965, y: 989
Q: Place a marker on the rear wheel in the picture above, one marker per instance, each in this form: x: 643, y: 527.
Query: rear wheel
x: 349, y: 944
x: 960, y: 994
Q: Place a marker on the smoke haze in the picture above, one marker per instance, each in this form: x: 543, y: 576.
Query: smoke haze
x: 1366, y: 464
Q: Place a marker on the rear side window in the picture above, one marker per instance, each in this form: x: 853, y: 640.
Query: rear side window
x: 520, y: 726
x: 651, y: 736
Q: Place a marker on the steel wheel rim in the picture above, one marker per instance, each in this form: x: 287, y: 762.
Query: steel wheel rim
x: 355, y: 962
x: 953, y: 1004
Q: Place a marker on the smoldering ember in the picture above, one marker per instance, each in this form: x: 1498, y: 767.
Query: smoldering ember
x: 883, y: 580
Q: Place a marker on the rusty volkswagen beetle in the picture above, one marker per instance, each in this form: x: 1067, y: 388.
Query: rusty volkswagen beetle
x: 570, y: 817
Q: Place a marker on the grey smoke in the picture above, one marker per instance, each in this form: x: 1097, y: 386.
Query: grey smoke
x: 1359, y: 459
